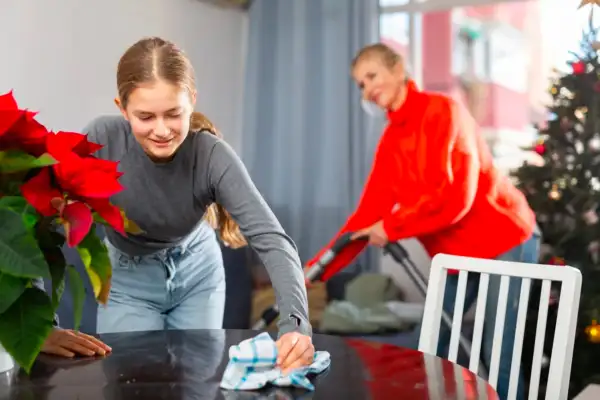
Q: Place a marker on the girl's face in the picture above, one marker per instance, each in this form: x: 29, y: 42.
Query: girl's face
x: 159, y: 114
x: 379, y: 83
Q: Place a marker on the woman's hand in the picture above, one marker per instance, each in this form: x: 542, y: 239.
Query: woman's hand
x: 68, y: 343
x: 375, y: 234
x: 295, y: 350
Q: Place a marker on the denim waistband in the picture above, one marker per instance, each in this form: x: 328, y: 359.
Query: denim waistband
x: 202, y: 233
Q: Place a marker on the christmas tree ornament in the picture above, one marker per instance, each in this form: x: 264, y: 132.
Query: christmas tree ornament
x: 555, y: 260
x: 579, y: 67
x: 594, y: 143
x: 590, y: 217
x: 554, y: 193
x: 581, y: 112
x: 540, y: 149
x: 592, y: 332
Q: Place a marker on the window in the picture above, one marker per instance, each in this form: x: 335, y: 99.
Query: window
x: 508, y: 58
x: 395, y: 27
x: 470, y: 53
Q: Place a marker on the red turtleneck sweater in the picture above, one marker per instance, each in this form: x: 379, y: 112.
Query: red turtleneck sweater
x: 433, y: 178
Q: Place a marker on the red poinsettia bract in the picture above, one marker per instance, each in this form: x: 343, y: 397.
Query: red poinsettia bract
x: 76, y: 183
x: 71, y: 188
x: 19, y: 130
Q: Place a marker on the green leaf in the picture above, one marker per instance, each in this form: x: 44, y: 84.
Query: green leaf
x: 98, y: 252
x: 19, y: 205
x: 57, y: 271
x: 51, y: 243
x: 78, y: 293
x: 11, y: 288
x: 20, y: 255
x: 25, y: 326
x: 94, y: 255
x: 16, y: 161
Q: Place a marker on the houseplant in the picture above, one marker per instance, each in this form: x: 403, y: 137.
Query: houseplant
x: 52, y: 190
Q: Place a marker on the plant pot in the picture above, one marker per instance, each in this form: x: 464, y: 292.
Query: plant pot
x: 6, y: 361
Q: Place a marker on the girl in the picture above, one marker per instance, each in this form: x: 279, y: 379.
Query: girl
x: 433, y: 178
x: 182, y: 181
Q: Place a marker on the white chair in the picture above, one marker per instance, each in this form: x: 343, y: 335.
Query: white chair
x: 564, y: 337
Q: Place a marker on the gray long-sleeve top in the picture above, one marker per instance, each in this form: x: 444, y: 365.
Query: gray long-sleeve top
x: 169, y: 200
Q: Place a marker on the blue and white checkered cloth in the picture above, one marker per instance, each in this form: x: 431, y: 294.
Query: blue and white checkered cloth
x: 252, y: 366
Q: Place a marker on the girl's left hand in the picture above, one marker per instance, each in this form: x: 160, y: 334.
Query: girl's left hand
x: 294, y: 350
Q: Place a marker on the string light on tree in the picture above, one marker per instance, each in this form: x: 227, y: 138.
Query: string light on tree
x: 581, y: 112
x: 594, y: 143
x: 554, y: 193
x: 592, y: 332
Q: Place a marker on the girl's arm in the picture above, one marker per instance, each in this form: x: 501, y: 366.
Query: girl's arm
x: 232, y: 187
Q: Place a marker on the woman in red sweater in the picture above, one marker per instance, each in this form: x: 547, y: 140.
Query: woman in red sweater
x: 433, y: 178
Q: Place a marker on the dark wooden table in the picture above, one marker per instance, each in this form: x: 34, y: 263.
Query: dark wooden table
x: 188, y: 365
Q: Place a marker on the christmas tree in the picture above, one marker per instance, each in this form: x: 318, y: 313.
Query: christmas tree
x: 563, y: 189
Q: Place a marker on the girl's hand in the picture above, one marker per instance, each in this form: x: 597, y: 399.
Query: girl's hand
x: 68, y: 343
x: 295, y: 350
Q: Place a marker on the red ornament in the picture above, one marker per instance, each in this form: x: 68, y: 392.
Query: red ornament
x: 578, y: 67
x: 557, y: 261
x: 540, y: 149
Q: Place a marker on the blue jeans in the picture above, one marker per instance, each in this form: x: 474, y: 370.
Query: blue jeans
x: 526, y: 252
x: 178, y: 288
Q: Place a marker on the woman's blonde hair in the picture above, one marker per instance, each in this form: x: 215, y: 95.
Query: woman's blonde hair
x: 389, y: 56
x: 154, y: 58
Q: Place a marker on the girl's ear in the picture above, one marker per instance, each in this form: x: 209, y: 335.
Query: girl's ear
x: 120, y: 107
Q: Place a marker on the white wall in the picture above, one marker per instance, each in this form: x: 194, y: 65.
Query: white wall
x: 60, y: 56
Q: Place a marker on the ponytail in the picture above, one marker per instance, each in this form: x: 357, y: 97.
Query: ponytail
x: 216, y: 215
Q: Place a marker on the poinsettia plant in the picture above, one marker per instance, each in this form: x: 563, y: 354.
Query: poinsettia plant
x: 52, y: 191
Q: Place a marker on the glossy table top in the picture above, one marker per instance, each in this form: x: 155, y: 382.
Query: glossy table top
x: 188, y: 365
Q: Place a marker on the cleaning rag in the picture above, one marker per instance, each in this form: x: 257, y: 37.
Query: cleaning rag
x: 252, y: 365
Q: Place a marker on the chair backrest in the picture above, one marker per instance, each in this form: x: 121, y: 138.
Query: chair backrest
x: 564, y: 337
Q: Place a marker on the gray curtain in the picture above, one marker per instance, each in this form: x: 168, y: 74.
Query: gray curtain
x: 306, y: 140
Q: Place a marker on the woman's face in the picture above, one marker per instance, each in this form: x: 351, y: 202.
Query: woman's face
x: 159, y: 114
x: 379, y: 83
